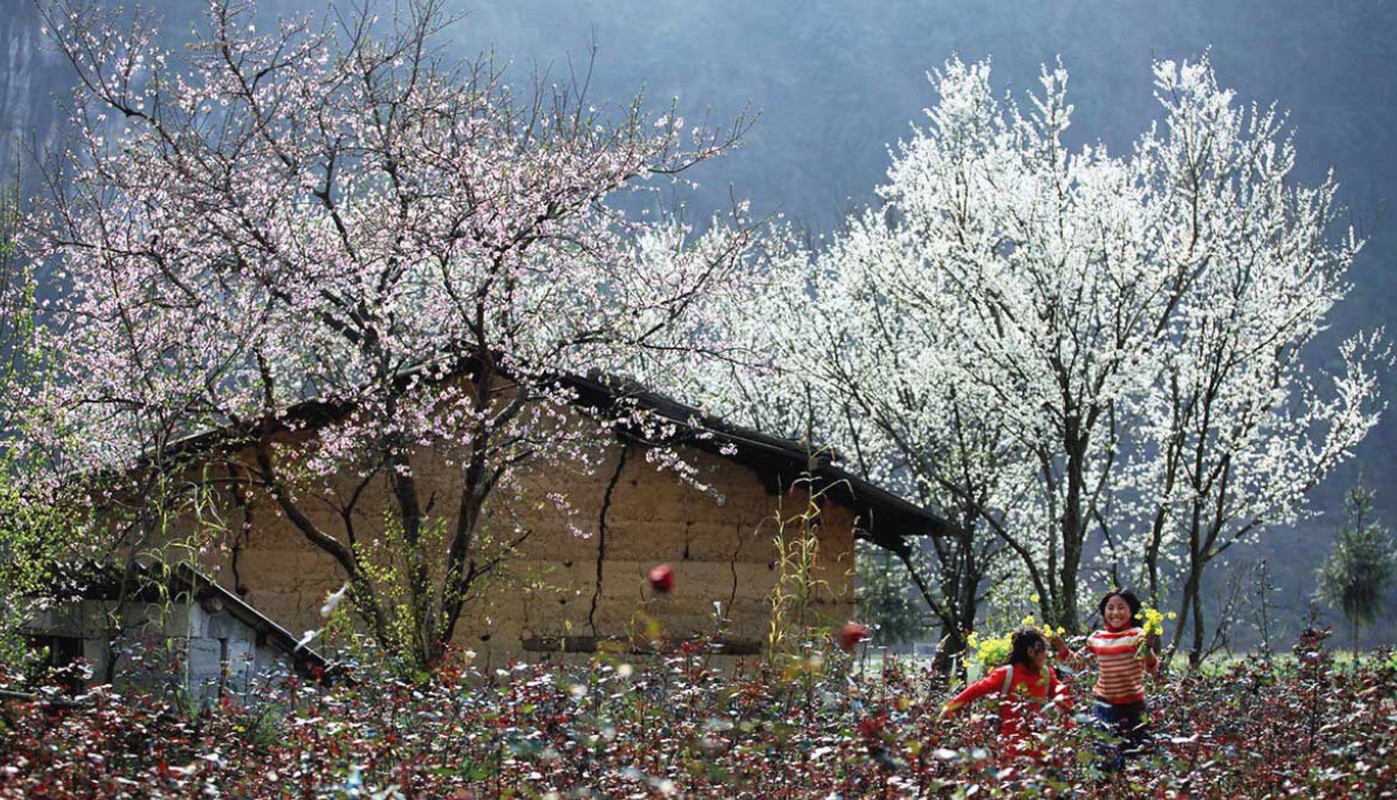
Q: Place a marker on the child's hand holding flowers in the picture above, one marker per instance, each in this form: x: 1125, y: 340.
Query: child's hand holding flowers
x: 1152, y: 625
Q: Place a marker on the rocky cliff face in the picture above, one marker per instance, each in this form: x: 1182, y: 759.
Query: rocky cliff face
x: 34, y: 86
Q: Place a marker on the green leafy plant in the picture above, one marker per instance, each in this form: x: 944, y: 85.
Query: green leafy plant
x: 1357, y: 574
x: 797, y: 545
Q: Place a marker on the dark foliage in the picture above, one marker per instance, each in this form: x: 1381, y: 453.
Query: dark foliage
x: 683, y: 727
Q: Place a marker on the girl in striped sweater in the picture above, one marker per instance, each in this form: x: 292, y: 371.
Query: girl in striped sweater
x: 1123, y: 654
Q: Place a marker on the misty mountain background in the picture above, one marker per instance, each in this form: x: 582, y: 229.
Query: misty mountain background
x: 836, y: 81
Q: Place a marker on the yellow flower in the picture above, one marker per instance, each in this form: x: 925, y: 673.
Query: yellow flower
x: 1154, y: 621
x: 1153, y: 625
x: 1033, y: 598
x: 990, y: 651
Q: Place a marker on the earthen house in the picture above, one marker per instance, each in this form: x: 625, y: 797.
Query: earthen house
x: 578, y: 583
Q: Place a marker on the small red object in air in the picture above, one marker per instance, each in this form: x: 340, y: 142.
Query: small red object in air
x: 849, y: 636
x: 662, y: 578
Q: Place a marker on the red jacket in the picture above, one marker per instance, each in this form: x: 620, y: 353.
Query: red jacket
x: 1024, y: 696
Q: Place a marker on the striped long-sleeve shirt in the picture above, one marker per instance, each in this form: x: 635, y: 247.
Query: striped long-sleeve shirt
x: 1120, y: 678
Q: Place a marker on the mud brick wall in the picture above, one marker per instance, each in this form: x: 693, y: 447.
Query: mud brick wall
x: 722, y: 552
x: 576, y: 577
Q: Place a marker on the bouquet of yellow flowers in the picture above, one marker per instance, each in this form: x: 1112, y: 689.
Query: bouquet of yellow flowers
x: 990, y: 651
x: 994, y: 651
x: 1151, y: 624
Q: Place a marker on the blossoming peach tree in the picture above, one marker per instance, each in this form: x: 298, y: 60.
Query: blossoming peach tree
x: 1057, y: 345
x: 333, y: 212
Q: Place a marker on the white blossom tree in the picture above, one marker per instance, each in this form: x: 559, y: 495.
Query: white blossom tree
x: 31, y: 534
x: 334, y: 212
x: 1234, y: 431
x: 1073, y: 350
x: 16, y: 312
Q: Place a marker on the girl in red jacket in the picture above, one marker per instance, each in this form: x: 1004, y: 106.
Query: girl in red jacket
x: 1024, y: 687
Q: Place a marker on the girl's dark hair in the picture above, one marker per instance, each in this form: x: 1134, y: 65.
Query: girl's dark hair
x: 1024, y: 640
x: 1124, y: 594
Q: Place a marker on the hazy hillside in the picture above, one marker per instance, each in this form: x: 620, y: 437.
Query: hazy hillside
x: 30, y: 75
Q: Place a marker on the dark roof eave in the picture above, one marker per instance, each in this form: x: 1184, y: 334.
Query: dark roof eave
x: 100, y: 581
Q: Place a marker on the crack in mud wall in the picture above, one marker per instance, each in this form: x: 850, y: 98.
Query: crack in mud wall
x: 601, y: 536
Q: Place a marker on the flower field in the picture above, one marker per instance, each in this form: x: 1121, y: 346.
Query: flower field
x: 685, y: 727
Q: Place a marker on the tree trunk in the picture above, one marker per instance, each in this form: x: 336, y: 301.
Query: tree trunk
x: 1195, y: 653
x: 956, y: 615
x: 1072, y: 532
